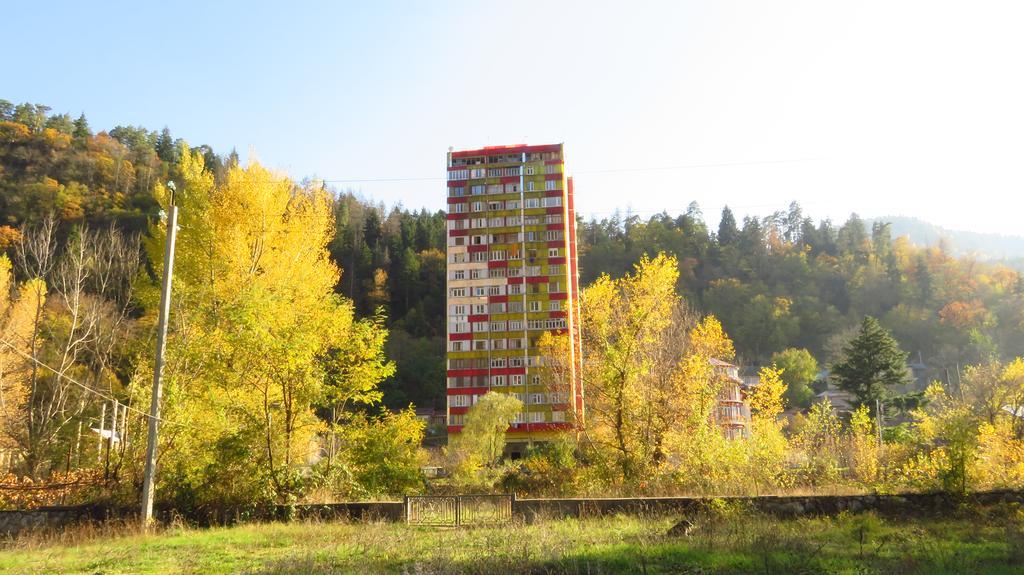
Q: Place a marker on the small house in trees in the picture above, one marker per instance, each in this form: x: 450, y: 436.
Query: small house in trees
x: 733, y: 411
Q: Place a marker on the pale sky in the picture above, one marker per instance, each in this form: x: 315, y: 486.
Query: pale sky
x: 883, y: 108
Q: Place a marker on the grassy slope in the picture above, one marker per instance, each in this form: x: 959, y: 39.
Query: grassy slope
x: 731, y: 544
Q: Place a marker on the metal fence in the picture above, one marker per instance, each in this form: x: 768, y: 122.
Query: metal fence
x: 458, y: 510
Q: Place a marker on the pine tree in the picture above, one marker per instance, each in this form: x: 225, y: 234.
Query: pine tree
x: 728, y: 233
x: 81, y: 129
x: 165, y: 145
x: 872, y: 364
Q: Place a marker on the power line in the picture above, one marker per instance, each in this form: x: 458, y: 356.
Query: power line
x: 692, y: 166
x: 80, y: 384
x: 575, y: 173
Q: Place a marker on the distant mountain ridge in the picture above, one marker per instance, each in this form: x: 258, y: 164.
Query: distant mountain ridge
x: 982, y: 245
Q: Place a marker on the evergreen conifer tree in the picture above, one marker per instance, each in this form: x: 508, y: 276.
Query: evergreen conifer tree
x: 872, y: 364
x: 728, y: 233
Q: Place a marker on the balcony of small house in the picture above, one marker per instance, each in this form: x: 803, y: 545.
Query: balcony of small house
x: 731, y: 394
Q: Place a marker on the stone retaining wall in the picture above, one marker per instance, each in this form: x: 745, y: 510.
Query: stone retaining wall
x: 786, y: 506
x: 357, y: 511
x: 14, y: 522
x: 17, y: 521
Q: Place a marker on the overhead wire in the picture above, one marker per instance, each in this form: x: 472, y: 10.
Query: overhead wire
x: 85, y: 387
x: 574, y: 173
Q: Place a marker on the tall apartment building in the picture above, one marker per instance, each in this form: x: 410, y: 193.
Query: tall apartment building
x: 512, y: 275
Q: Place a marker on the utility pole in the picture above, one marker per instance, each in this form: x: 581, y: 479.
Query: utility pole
x: 878, y: 420
x: 148, y: 482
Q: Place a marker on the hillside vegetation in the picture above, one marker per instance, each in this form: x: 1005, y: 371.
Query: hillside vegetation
x: 306, y: 322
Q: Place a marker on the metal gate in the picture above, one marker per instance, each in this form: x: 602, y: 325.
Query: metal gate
x: 457, y: 510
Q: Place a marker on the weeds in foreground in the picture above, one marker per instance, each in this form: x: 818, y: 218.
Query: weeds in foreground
x: 725, y: 538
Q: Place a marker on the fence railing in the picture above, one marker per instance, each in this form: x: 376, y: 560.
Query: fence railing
x: 458, y: 510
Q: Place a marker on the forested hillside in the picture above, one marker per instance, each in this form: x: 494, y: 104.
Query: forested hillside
x: 985, y: 246
x: 786, y: 281
x: 777, y: 282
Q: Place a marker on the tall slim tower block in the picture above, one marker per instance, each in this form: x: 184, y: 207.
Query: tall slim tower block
x: 512, y: 275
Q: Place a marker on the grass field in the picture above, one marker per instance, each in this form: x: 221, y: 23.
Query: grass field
x: 722, y: 542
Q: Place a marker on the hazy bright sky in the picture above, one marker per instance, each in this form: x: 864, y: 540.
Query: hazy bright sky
x: 883, y: 108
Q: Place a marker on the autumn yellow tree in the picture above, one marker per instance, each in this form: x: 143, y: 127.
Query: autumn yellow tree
x: 260, y: 339
x: 624, y: 322
x: 17, y: 330
x: 863, y: 447
x: 651, y: 389
x: 768, y: 446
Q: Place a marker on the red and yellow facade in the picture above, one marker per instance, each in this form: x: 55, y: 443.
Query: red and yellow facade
x: 512, y: 275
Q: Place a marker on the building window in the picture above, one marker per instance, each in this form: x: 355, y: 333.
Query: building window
x: 537, y: 417
x: 478, y: 173
x: 551, y: 202
x: 551, y: 185
x: 477, y: 190
x: 458, y: 292
x: 498, y: 380
x: 532, y: 202
x: 554, y: 305
x: 558, y: 416
x: 515, y: 380
x: 529, y: 186
x: 480, y: 345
